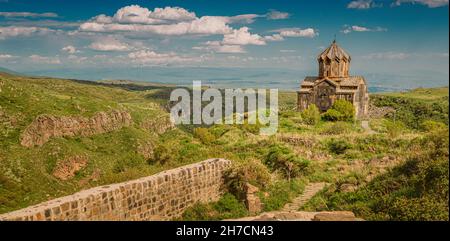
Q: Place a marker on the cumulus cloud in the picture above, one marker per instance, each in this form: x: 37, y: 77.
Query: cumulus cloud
x: 356, y: 28
x: 109, y: 44
x: 140, y: 15
x: 207, y: 25
x: 242, y: 37
x: 15, y: 31
x: 70, y: 49
x: 363, y: 4
x: 274, y: 37
x: 44, y: 59
x: 276, y: 15
x: 162, y: 21
x: 429, y: 3
x: 27, y: 15
x: 295, y: 32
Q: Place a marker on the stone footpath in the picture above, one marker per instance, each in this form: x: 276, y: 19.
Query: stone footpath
x: 290, y: 213
x: 302, y: 216
x: 310, y: 190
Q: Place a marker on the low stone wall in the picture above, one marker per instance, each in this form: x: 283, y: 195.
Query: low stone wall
x: 159, y: 197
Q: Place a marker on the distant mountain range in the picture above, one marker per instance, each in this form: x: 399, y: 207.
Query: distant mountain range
x: 283, y: 79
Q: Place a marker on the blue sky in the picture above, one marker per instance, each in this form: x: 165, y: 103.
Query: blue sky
x: 396, y: 44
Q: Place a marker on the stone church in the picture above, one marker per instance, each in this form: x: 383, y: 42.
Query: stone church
x: 334, y: 83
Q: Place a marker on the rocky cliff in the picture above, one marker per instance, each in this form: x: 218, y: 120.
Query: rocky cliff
x: 45, y: 127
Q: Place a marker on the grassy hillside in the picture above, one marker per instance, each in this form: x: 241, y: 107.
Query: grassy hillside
x: 26, y: 173
x: 416, y: 188
x: 340, y: 153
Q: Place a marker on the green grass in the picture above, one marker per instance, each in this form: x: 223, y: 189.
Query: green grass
x: 26, y: 173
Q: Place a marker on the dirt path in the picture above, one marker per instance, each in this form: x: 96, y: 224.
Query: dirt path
x: 310, y: 190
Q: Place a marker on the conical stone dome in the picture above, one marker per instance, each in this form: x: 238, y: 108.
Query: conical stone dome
x: 334, y: 62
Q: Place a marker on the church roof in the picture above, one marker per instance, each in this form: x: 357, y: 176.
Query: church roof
x: 334, y: 52
x: 342, y: 81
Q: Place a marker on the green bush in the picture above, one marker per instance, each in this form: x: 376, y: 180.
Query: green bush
x: 341, y: 110
x: 226, y: 208
x: 238, y: 175
x: 338, y: 146
x: 430, y: 126
x: 282, y: 158
x: 311, y: 115
x: 413, y: 112
x: 337, y: 128
x: 161, y: 155
x: 394, y: 129
x: 204, y: 135
x: 416, y: 190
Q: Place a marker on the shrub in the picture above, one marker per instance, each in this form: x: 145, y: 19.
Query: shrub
x: 341, y: 110
x: 338, y: 146
x: 394, y: 128
x: 311, y: 115
x: 336, y: 129
x: 204, y: 135
x: 227, y: 207
x: 239, y: 175
x: 430, y: 126
x: 161, y: 155
x: 281, y: 158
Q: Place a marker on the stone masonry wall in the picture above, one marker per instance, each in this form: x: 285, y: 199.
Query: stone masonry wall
x: 159, y: 197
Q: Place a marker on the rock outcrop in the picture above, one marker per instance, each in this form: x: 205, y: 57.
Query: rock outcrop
x: 158, y: 125
x: 66, y: 169
x: 376, y: 112
x: 45, y: 127
x: 252, y: 201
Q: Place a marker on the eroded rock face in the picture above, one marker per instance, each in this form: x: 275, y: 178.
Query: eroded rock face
x: 45, y: 127
x: 158, y: 125
x: 376, y: 112
x: 66, y: 169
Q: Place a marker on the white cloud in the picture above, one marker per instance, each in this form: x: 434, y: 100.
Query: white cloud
x: 15, y: 31
x: 207, y: 25
x: 274, y: 37
x: 109, y: 44
x: 162, y: 21
x: 242, y: 37
x: 297, y: 32
x: 70, y: 49
x: 44, y: 60
x: 276, y: 15
x: 243, y: 18
x: 6, y: 56
x: 356, y: 28
x: 363, y: 4
x: 172, y: 13
x: 429, y: 3
x: 28, y: 14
